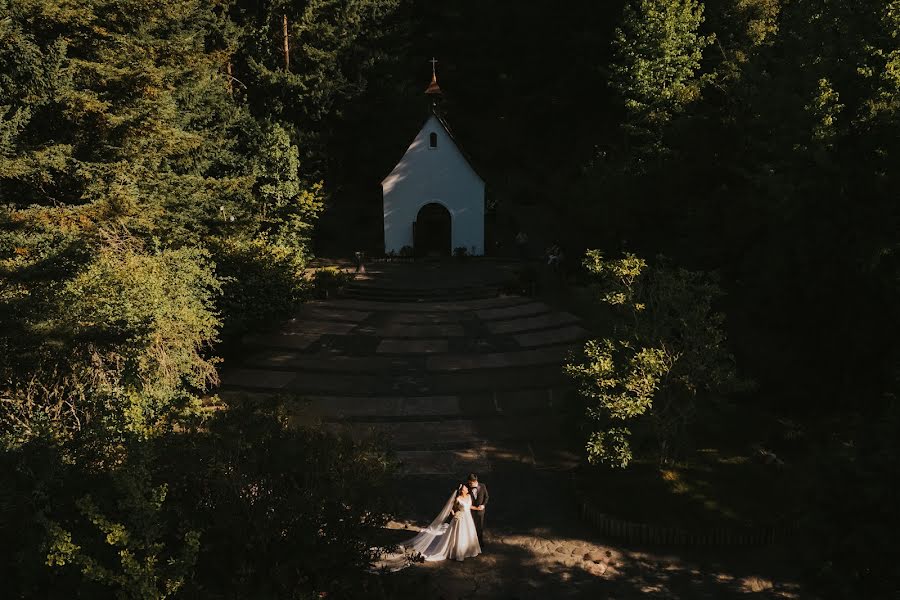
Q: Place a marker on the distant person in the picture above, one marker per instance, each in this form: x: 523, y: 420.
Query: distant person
x: 522, y: 244
x: 554, y: 256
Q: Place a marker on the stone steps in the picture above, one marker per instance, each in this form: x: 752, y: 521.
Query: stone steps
x: 423, y: 408
x: 548, y: 337
x: 438, y: 306
x: 436, y: 290
x: 486, y: 458
x: 545, y: 321
x: 525, y: 309
x: 548, y: 355
x: 411, y: 330
x: 444, y: 462
x: 287, y: 360
x: 325, y: 312
x: 376, y: 293
x: 452, y: 434
x: 456, y: 377
x: 412, y: 383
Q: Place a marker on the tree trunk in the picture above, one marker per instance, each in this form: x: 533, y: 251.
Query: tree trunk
x: 287, y: 49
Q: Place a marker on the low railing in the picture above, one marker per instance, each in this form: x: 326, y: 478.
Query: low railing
x: 651, y: 534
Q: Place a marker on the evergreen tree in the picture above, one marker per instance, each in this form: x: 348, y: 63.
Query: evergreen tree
x: 332, y: 46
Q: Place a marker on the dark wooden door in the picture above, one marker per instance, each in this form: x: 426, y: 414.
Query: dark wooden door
x: 432, y: 231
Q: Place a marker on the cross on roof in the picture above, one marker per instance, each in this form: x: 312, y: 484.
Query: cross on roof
x: 433, y: 88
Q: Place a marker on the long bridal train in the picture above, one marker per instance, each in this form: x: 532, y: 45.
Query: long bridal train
x: 441, y: 540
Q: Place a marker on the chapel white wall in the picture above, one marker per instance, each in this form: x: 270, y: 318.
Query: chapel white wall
x: 441, y: 175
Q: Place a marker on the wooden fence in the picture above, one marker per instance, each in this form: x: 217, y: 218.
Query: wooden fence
x: 645, y: 533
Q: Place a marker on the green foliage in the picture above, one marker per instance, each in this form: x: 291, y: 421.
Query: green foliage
x: 121, y: 132
x: 825, y: 108
x: 666, y: 362
x: 610, y: 447
x: 743, y: 28
x: 287, y: 209
x: 146, y: 567
x: 144, y: 210
x: 658, y: 55
x: 283, y: 511
x: 149, y: 317
x: 261, y: 282
x: 329, y: 280
x: 334, y: 46
x: 119, y: 343
x: 245, y: 505
x: 125, y: 157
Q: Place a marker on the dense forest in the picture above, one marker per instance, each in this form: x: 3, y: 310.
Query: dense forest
x: 169, y: 167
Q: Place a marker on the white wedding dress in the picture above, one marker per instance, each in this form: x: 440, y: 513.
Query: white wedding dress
x: 456, y: 540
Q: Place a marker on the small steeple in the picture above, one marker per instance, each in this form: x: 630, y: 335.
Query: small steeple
x: 433, y: 88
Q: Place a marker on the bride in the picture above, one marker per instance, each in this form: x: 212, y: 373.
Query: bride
x: 440, y: 540
x: 457, y: 539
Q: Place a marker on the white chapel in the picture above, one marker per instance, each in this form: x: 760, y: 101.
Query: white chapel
x: 433, y: 198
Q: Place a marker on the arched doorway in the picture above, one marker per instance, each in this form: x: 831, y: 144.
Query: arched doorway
x: 432, y: 231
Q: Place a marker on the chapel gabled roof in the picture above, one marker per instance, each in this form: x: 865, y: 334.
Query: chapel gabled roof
x: 446, y: 127
x: 434, y: 91
x: 459, y: 147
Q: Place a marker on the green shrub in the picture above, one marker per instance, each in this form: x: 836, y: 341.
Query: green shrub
x: 261, y: 282
x: 125, y: 538
x: 282, y: 512
x: 330, y: 280
x: 244, y: 507
x: 665, y: 363
x: 123, y: 342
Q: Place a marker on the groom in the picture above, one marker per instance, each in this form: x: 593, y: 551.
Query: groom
x: 480, y: 496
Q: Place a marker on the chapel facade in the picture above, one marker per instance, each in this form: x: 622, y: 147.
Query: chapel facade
x: 433, y: 199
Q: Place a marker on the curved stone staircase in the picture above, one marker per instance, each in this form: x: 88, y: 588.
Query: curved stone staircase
x: 455, y: 377
x: 460, y: 385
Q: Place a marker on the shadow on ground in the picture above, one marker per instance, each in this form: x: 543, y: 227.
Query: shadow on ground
x: 538, y: 548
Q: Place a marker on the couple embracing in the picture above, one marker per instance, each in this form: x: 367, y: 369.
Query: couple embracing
x: 458, y: 531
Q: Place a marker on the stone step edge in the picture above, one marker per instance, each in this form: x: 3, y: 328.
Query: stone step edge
x: 404, y: 369
x: 467, y: 444
x: 411, y: 299
x: 425, y: 306
x: 226, y: 387
x: 540, y: 329
x: 258, y: 344
x: 436, y: 418
x: 557, y: 391
x: 379, y: 289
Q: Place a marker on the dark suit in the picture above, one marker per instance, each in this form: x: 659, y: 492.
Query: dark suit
x: 480, y: 497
